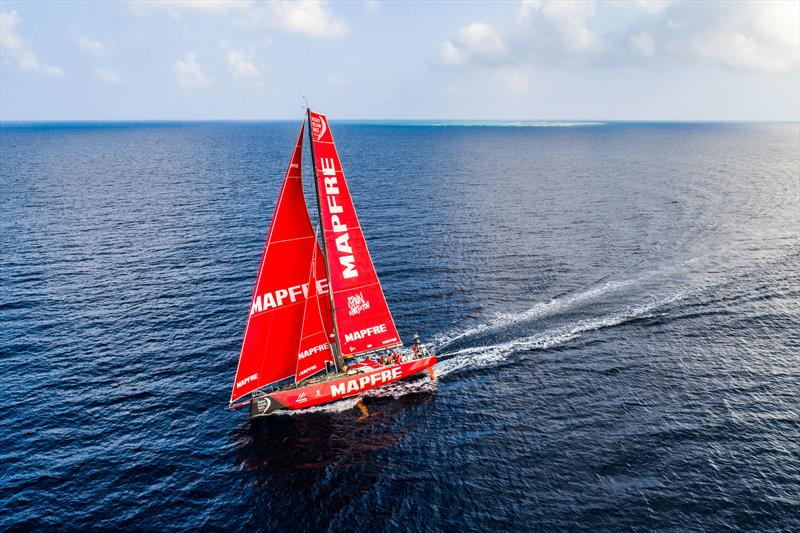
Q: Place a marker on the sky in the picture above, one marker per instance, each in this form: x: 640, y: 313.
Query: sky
x: 514, y: 60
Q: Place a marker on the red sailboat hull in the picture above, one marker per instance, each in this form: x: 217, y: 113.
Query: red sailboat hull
x: 331, y: 390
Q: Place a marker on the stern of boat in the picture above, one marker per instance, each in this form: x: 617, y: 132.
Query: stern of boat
x: 264, y: 405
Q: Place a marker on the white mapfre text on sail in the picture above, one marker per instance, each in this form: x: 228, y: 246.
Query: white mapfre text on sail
x: 275, y: 299
x: 331, y: 188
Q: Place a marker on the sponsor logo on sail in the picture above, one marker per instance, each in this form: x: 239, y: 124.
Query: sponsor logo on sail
x: 280, y: 297
x: 245, y: 381
x: 357, y: 303
x: 327, y: 166
x: 364, y: 333
x: 368, y: 380
x: 306, y: 371
x: 318, y: 126
x: 312, y: 351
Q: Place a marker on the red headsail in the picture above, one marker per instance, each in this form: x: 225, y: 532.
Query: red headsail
x: 269, y: 349
x: 315, y: 337
x: 363, y: 320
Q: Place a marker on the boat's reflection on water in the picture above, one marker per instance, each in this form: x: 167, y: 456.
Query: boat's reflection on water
x: 318, y: 439
x: 304, y: 462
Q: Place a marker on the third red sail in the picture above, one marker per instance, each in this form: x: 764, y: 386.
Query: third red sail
x: 315, y: 352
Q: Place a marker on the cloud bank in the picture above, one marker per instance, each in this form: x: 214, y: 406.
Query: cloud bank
x: 16, y: 48
x: 757, y: 36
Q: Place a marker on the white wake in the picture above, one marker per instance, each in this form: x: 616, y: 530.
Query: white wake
x: 487, y: 355
x: 539, y: 310
x: 491, y: 354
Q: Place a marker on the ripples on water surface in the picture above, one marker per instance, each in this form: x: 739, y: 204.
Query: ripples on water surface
x: 616, y: 309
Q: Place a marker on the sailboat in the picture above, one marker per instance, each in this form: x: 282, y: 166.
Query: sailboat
x: 319, y: 328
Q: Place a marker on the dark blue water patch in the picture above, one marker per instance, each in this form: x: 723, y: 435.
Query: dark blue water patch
x: 615, y: 307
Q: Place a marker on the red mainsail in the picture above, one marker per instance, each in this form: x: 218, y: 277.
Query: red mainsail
x: 315, y: 335
x: 363, y: 320
x: 269, y: 349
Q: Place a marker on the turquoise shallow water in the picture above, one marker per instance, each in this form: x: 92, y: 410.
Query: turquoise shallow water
x: 615, y: 306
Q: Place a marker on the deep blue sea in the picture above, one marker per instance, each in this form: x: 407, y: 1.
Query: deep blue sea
x: 616, y: 308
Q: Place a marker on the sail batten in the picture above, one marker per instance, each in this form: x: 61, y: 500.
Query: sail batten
x: 362, y: 318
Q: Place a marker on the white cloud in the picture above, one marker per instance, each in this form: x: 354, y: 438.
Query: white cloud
x: 643, y: 44
x: 650, y: 7
x: 564, y: 22
x: 14, y: 46
x: 759, y: 36
x: 175, y: 7
x: 450, y: 55
x: 241, y: 67
x: 476, y: 43
x: 189, y: 74
x: 571, y: 18
x: 528, y: 8
x: 479, y: 45
x: 310, y: 17
x: 107, y: 75
x: 96, y: 48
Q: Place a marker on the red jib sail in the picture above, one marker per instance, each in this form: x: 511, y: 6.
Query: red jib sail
x: 269, y: 349
x: 315, y: 346
x: 363, y: 320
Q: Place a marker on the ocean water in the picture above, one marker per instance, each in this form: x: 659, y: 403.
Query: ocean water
x: 615, y: 307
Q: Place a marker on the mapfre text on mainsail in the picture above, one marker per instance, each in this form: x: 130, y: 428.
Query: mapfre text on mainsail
x: 331, y: 191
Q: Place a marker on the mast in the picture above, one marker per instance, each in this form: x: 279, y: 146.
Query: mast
x: 335, y: 348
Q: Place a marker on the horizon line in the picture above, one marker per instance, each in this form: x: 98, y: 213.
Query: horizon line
x: 472, y: 120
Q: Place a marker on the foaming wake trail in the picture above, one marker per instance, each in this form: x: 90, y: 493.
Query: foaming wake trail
x: 488, y: 355
x: 559, y: 304
x: 491, y: 354
x: 539, y: 310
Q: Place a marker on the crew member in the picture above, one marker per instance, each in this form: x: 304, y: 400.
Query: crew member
x: 415, y: 347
